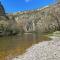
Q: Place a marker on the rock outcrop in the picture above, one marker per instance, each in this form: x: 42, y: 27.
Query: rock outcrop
x: 2, y: 11
x: 42, y: 20
x: 7, y: 26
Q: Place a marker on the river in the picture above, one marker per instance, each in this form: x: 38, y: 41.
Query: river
x: 11, y: 46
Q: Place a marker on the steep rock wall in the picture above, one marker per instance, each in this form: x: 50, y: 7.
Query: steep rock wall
x: 42, y: 20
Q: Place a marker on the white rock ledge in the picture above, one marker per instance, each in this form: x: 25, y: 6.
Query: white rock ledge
x: 47, y: 50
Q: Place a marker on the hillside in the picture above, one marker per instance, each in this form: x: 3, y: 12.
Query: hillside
x: 41, y: 20
x: 6, y: 25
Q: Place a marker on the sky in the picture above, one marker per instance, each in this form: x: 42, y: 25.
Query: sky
x: 12, y: 6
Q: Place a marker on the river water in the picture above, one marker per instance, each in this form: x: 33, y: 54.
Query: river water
x: 11, y: 46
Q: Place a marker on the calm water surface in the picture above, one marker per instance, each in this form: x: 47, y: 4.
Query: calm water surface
x: 15, y: 45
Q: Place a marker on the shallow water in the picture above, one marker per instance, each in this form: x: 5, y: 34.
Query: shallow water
x: 15, y: 45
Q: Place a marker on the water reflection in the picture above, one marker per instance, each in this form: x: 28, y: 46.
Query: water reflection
x: 15, y: 45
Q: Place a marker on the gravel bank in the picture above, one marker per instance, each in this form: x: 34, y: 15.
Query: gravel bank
x: 47, y: 50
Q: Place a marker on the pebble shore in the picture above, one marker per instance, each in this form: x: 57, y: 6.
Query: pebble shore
x: 47, y: 50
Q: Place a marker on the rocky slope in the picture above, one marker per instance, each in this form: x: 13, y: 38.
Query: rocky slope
x: 41, y: 20
x: 7, y: 26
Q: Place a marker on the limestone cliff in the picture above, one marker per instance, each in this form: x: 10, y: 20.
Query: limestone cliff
x: 7, y: 26
x: 2, y: 11
x: 41, y: 20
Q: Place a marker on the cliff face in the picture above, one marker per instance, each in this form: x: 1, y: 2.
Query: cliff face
x: 2, y: 11
x: 7, y: 26
x: 41, y: 20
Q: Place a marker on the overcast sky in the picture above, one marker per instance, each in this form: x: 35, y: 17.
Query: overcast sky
x: 21, y: 5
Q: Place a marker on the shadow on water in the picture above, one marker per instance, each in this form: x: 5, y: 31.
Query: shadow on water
x: 15, y: 45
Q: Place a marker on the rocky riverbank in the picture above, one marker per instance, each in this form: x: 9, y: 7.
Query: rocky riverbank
x: 47, y: 50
